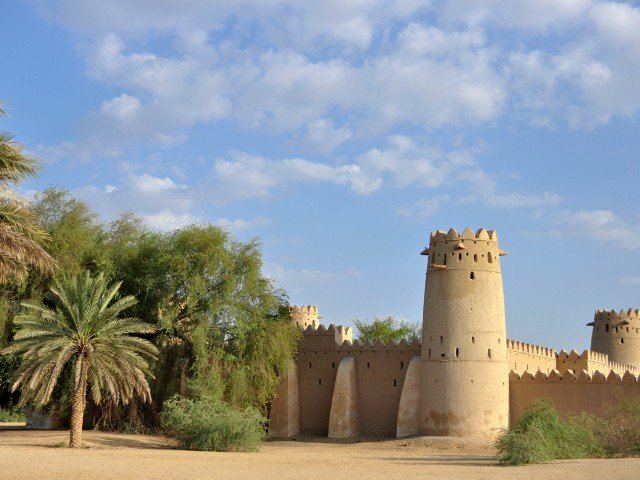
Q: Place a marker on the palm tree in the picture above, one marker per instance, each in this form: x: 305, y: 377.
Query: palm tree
x: 84, y: 328
x: 20, y: 235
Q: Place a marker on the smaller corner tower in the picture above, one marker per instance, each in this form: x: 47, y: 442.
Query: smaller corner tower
x: 617, y: 334
x: 305, y: 316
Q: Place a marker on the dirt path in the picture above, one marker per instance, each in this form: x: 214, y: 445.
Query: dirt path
x: 36, y: 455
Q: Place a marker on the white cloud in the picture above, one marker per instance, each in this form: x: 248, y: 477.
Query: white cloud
x: 603, y: 226
x: 166, y: 220
x: 240, y: 225
x: 424, y: 208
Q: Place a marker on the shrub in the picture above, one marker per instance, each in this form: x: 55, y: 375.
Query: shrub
x: 207, y: 424
x: 619, y: 427
x: 541, y: 435
x: 12, y: 415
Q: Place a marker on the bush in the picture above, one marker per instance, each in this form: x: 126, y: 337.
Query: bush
x: 541, y: 435
x: 213, y: 425
x: 619, y: 427
x: 12, y: 415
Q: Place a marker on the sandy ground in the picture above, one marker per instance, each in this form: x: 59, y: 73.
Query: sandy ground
x: 30, y: 455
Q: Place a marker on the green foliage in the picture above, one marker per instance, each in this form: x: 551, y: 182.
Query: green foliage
x: 387, y: 329
x: 619, y: 427
x: 208, y: 424
x: 541, y: 435
x: 12, y: 415
x: 84, y: 327
x: 20, y: 235
x: 223, y: 330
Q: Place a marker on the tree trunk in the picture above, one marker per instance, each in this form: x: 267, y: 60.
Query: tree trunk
x: 78, y: 401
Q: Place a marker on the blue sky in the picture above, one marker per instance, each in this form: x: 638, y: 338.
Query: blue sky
x: 342, y: 132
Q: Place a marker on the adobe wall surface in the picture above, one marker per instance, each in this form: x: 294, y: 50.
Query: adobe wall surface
x: 590, y: 362
x: 380, y: 372
x: 570, y: 393
x: 464, y: 353
x: 523, y: 357
x: 617, y: 335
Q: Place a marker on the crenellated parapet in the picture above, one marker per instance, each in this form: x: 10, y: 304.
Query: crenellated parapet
x: 467, y: 251
x: 571, y: 376
x: 523, y: 356
x: 590, y: 362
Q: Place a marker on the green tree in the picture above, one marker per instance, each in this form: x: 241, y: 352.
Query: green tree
x: 85, y: 329
x: 387, y: 329
x: 21, y: 237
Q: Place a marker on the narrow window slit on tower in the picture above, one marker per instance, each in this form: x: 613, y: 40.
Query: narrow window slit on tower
x: 622, y: 340
x: 333, y: 364
x: 457, y: 352
x: 368, y: 365
x: 475, y: 257
x: 320, y: 381
x: 395, y: 383
x: 459, y: 256
x: 309, y: 365
x: 473, y: 339
x: 606, y: 327
x: 489, y: 353
x: 441, y: 340
x: 489, y: 257
x: 429, y: 353
x: 472, y: 276
x: 401, y: 365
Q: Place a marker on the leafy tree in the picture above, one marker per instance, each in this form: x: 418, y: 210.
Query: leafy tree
x: 20, y: 235
x: 387, y: 329
x: 84, y: 328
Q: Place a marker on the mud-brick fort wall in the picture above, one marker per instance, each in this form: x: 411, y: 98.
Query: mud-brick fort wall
x: 380, y: 371
x: 570, y: 393
x: 525, y: 357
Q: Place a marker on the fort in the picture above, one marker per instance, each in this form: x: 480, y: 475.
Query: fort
x: 465, y: 378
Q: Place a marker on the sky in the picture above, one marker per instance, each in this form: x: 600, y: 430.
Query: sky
x: 341, y: 132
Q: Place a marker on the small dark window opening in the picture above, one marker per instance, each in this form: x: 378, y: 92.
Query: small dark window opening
x: 459, y: 256
x: 429, y: 353
x: 457, y: 352
x: 309, y: 365
x: 442, y: 355
x: 333, y: 364
x: 444, y: 260
x: 320, y: 381
x: 401, y: 365
x: 395, y: 383
x: 606, y: 327
x: 441, y: 339
x: 472, y: 276
x: 489, y: 257
x: 622, y: 340
x: 368, y: 365
x: 489, y: 353
x: 473, y: 339
x: 475, y: 257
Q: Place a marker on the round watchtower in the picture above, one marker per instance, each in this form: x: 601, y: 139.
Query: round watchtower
x: 464, y: 389
x: 618, y: 335
x: 305, y: 315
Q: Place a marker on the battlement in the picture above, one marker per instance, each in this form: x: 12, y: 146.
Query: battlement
x: 603, y: 315
x: 523, y: 356
x: 467, y: 234
x: 570, y: 376
x: 590, y: 362
x: 369, y: 345
x: 529, y: 348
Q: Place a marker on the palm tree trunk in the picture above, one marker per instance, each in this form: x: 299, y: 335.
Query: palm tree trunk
x: 78, y: 401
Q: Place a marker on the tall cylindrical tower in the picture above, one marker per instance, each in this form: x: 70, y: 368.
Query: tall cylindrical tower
x: 464, y: 389
x: 617, y: 335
